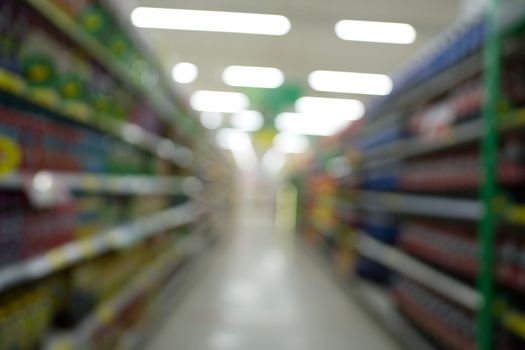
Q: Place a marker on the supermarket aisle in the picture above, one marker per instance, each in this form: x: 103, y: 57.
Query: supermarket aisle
x: 261, y: 294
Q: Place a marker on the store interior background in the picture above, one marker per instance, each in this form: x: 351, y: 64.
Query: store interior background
x: 174, y: 188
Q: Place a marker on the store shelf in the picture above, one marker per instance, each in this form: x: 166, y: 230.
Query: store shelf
x: 162, y: 305
x: 431, y: 88
x: 398, y: 150
x: 459, y: 135
x: 82, y: 113
x: 379, y: 303
x: 104, y: 314
x: 452, y: 208
x: 92, y: 47
x: 114, y: 184
x: 112, y: 239
x: 420, y: 272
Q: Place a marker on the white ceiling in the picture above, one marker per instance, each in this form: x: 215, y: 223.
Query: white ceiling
x: 311, y: 44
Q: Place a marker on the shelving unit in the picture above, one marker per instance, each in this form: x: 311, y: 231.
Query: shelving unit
x: 151, y: 275
x: 116, y: 238
x: 84, y: 114
x: 160, y: 101
x: 419, y: 205
x: 96, y: 183
x: 436, y: 122
x: 105, y: 206
x: 379, y: 304
x: 433, y: 279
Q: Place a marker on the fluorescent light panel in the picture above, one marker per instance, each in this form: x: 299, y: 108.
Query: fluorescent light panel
x: 378, y: 32
x: 344, y: 108
x: 211, y: 120
x: 290, y: 143
x: 210, y: 21
x: 219, y: 101
x: 350, y: 82
x: 184, y: 73
x: 249, y: 121
x: 257, y: 77
x: 309, y: 124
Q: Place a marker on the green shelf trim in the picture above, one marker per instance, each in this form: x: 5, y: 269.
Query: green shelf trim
x: 489, y: 189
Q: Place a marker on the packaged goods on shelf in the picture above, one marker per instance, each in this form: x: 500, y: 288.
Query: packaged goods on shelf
x: 26, y: 315
x: 54, y: 144
x: 419, y: 193
x: 80, y: 103
x: 58, y: 72
x: 373, y: 271
x: 381, y: 227
x: 451, y: 326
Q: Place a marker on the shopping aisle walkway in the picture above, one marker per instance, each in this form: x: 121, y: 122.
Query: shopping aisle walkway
x: 261, y: 294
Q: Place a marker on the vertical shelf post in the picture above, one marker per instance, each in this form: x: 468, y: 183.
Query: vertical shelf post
x: 487, y: 226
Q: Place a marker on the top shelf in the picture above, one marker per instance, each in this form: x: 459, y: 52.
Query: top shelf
x: 435, y: 86
x: 451, y: 58
x: 83, y: 113
x: 160, y: 101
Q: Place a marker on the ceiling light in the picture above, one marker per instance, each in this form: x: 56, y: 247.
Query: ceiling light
x: 232, y: 139
x: 219, y: 101
x: 309, y: 124
x: 344, y: 108
x: 185, y: 72
x: 349, y: 82
x: 247, y: 121
x: 211, y: 120
x: 290, y: 143
x: 210, y: 21
x: 257, y: 77
x: 378, y: 32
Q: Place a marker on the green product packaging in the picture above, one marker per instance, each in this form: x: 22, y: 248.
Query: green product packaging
x: 39, y: 70
x: 94, y: 21
x: 72, y: 87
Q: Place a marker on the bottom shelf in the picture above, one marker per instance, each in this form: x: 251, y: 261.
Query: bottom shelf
x: 103, y: 318
x: 378, y: 303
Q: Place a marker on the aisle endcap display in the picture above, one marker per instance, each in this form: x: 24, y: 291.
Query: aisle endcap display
x: 420, y: 272
x: 115, y: 238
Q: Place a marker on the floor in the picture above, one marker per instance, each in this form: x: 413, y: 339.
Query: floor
x: 261, y: 292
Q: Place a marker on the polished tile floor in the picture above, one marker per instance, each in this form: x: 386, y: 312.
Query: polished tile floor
x: 261, y: 292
